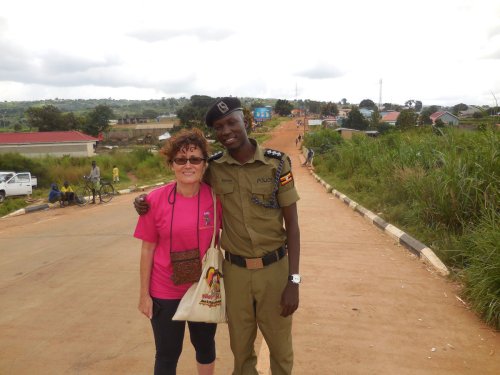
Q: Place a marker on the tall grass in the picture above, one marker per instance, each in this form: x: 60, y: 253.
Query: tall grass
x: 442, y: 189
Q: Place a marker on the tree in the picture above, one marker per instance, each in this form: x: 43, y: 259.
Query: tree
x: 313, y: 106
x: 418, y: 105
x: 46, y: 119
x: 409, y: 103
x: 150, y: 113
x: 329, y: 109
x: 425, y: 114
x: 283, y: 107
x: 257, y: 104
x: 193, y: 113
x: 375, y: 119
x: 407, y: 119
x: 355, y: 120
x: 367, y: 103
x: 460, y: 107
x: 248, y: 116
x: 344, y: 101
x: 201, y: 101
x: 98, y: 120
x: 73, y: 121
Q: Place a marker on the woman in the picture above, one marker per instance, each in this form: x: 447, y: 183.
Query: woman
x: 181, y: 218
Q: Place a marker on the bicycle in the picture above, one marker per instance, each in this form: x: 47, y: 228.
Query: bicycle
x: 84, y: 195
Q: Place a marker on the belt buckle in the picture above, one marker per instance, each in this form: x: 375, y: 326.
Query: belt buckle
x: 254, y: 263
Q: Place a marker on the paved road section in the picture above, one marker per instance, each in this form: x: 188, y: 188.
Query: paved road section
x: 69, y: 287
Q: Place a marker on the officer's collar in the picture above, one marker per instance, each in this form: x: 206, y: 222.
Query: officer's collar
x: 257, y: 156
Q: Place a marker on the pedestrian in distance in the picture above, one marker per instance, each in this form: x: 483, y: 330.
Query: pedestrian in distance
x: 180, y: 219
x: 116, y: 174
x: 260, y: 237
x: 309, y: 158
x: 95, y: 179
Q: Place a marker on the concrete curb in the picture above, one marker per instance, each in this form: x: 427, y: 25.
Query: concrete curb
x: 411, y: 244
x: 46, y: 206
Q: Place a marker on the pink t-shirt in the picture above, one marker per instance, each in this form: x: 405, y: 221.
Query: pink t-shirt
x: 155, y: 227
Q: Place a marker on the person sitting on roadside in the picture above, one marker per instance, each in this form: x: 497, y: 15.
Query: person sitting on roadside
x: 68, y: 195
x: 55, y: 195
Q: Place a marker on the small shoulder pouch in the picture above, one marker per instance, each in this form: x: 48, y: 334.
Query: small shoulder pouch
x: 186, y: 266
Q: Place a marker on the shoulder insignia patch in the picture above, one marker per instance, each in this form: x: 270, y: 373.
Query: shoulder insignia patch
x: 216, y: 156
x: 286, y: 178
x: 273, y: 153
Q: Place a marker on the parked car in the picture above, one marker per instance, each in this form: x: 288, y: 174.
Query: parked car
x: 5, y: 174
x: 16, y: 184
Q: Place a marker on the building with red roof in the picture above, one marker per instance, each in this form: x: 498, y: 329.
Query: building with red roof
x: 72, y: 143
x: 390, y: 117
x: 447, y: 118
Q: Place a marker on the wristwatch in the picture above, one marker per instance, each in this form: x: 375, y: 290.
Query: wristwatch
x: 294, y: 278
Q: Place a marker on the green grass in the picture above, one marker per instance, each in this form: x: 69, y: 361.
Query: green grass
x: 11, y: 205
x: 443, y: 190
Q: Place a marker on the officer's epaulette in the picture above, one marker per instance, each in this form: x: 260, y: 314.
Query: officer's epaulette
x: 270, y: 153
x: 216, y: 156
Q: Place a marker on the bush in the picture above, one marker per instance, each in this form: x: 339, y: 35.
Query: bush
x: 322, y: 141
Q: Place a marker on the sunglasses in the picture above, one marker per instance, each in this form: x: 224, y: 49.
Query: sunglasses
x: 194, y: 160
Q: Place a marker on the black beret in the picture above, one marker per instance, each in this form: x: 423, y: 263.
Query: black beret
x: 221, y: 108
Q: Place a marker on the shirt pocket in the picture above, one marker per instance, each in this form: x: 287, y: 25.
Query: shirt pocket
x: 263, y: 194
x: 224, y: 191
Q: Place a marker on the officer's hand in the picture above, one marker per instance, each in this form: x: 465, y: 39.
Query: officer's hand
x: 141, y: 204
x: 289, y: 299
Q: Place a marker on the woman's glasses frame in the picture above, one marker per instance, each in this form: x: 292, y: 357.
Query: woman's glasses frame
x: 193, y: 160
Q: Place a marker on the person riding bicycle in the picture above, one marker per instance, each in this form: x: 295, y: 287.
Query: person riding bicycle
x: 95, y: 178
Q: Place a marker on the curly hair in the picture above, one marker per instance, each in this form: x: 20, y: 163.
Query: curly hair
x: 182, y: 140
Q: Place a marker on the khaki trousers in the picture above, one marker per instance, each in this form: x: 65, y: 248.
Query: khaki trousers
x: 253, y: 299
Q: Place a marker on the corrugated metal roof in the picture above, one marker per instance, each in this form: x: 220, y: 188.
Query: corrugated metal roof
x: 436, y: 115
x: 391, y: 116
x: 45, y: 137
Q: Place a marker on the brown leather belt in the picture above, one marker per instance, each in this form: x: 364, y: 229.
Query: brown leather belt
x: 256, y: 263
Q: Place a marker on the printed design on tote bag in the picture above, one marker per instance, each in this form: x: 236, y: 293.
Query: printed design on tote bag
x: 213, y: 297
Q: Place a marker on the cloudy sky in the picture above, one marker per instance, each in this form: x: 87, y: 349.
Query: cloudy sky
x: 438, y: 51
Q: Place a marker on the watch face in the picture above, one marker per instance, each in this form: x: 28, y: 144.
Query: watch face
x: 295, y: 278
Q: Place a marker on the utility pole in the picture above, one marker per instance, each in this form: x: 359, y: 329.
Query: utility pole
x: 380, y: 96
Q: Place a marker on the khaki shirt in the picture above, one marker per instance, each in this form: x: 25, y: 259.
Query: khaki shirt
x: 249, y: 229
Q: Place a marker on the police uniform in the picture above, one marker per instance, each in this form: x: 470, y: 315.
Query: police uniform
x: 254, y: 240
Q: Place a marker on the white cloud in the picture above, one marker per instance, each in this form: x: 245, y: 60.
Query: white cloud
x: 441, y: 52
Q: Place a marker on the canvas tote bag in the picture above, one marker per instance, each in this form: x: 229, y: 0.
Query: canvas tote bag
x: 205, y: 300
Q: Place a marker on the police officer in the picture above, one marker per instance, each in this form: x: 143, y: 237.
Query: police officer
x: 261, y: 271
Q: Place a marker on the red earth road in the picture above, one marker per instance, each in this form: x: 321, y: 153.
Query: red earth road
x: 69, y: 288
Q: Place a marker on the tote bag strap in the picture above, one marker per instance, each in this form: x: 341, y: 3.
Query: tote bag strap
x: 215, y: 219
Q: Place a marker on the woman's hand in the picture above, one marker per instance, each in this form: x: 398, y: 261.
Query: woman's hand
x: 146, y: 306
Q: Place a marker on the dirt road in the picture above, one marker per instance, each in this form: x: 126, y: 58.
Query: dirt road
x: 69, y: 287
